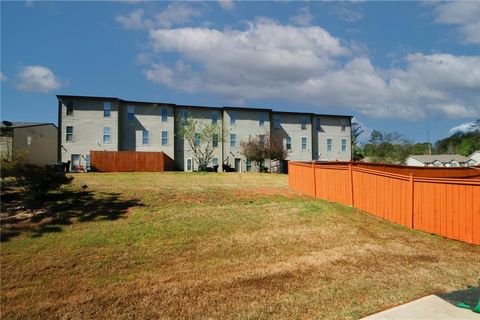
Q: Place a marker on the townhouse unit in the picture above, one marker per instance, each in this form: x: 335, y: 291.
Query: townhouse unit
x: 112, y: 124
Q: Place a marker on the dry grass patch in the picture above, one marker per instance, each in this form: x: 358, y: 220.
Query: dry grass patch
x: 223, y: 246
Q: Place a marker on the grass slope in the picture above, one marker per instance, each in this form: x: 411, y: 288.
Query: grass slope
x: 224, y: 246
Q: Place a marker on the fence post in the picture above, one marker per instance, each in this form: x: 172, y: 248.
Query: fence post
x: 314, y: 180
x: 411, y: 205
x: 352, y: 199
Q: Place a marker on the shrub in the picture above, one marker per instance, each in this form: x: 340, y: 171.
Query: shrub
x: 37, y: 182
x: 11, y: 165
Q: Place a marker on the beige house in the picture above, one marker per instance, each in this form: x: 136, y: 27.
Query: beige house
x: 437, y: 160
x: 112, y: 124
x: 474, y: 158
x: 31, y: 142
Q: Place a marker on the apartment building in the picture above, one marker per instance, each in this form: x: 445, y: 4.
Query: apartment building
x: 112, y: 124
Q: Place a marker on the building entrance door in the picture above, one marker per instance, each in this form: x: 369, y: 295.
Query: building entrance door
x: 238, y: 164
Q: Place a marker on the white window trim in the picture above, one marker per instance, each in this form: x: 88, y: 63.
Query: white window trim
x: 306, y: 143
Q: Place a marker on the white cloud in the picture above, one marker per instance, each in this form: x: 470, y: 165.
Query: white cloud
x: 134, y: 20
x: 464, y: 14
x: 345, y: 12
x: 2, y: 76
x: 307, y: 65
x: 37, y: 79
x: 303, y: 17
x: 464, y: 127
x: 227, y: 5
x: 174, y: 14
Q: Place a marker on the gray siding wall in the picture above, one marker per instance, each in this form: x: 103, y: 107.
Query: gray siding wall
x: 38, y: 144
x: 331, y: 128
x: 88, y: 123
x: 182, y: 148
x: 146, y: 117
x: 247, y: 125
x: 291, y: 126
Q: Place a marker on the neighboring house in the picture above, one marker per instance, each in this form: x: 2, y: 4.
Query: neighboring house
x: 437, y: 160
x: 112, y: 124
x: 31, y: 142
x: 474, y: 159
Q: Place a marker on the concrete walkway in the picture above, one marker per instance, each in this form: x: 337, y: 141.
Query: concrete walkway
x: 427, y: 308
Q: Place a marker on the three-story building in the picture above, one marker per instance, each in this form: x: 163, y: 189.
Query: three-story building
x: 112, y: 124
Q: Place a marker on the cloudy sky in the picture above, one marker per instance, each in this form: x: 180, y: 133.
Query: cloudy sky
x: 410, y: 67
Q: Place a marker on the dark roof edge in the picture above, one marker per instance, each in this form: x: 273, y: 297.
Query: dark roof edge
x: 204, y: 107
x: 33, y: 125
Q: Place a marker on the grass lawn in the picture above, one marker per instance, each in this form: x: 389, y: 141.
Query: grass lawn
x: 223, y: 246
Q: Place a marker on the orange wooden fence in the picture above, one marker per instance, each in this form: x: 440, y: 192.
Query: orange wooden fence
x: 449, y: 207
x: 123, y: 161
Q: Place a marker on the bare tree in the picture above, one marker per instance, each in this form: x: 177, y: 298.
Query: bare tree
x: 202, y: 139
x: 357, y: 152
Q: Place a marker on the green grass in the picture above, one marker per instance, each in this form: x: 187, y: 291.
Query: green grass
x: 224, y: 246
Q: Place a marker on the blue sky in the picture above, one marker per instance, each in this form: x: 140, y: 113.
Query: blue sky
x: 410, y: 67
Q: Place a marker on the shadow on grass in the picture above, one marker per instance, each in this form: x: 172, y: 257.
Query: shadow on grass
x: 60, y: 209
x: 470, y: 296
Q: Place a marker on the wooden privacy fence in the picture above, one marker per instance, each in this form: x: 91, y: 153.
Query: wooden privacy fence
x: 124, y: 161
x: 449, y: 207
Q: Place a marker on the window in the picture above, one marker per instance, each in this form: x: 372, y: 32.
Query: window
x: 214, y: 117
x: 233, y: 118
x: 184, y: 114
x: 215, y: 140
x: 164, y: 114
x: 197, y: 139
x: 131, y: 113
x: 189, y: 164
x: 106, y: 135
x: 261, y: 121
x: 344, y: 145
x: 29, y: 140
x: 107, y: 107
x: 329, y: 145
x: 215, y: 162
x: 164, y: 138
x: 276, y: 122
x: 317, y: 124
x: 261, y: 139
x: 287, y: 143
x: 343, y: 127
x: 87, y: 162
x: 233, y: 140
x: 304, y: 143
x: 69, y: 131
x: 303, y: 123
x: 69, y: 108
x: 343, y: 123
x: 144, y: 137
x: 249, y: 165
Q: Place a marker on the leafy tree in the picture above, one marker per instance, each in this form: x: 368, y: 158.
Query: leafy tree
x: 200, y: 137
x: 254, y: 150
x: 258, y: 150
x: 37, y: 182
x: 276, y: 150
x: 387, y: 147
x: 463, y: 143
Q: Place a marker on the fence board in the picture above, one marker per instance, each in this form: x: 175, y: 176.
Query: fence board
x: 129, y: 161
x: 433, y: 202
